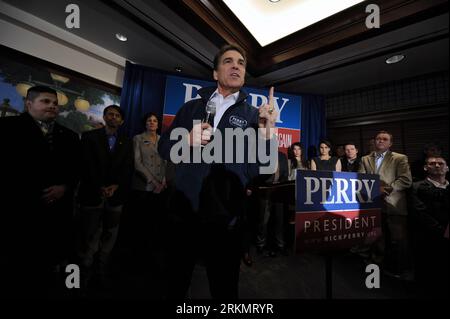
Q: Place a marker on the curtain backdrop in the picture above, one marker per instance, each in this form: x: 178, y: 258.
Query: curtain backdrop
x: 144, y: 89
x: 142, y: 92
x: 313, y: 125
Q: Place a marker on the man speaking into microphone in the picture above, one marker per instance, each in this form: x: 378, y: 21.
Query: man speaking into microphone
x: 208, y: 201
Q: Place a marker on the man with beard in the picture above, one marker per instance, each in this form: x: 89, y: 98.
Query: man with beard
x: 106, y: 172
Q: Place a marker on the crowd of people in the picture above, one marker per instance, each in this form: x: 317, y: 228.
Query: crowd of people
x: 65, y: 197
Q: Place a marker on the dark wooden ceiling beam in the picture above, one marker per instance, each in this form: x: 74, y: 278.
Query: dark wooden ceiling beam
x: 217, y: 22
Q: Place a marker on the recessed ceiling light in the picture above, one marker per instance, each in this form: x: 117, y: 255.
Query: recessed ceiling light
x: 274, y: 1
x: 395, y: 58
x: 121, y: 37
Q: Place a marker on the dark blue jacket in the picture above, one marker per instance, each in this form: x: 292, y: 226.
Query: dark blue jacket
x: 214, y: 192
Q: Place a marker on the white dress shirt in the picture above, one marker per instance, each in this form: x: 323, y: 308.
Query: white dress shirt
x: 437, y: 184
x: 222, y: 104
x: 379, y: 159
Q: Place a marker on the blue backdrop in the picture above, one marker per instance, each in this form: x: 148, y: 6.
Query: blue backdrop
x: 144, y: 91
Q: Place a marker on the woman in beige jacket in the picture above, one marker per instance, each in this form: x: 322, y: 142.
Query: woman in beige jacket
x: 145, y: 215
x: 150, y: 168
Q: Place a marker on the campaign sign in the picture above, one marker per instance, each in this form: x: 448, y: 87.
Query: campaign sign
x: 336, y: 210
x: 180, y: 90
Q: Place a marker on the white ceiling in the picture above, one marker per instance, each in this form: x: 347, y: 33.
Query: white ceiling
x: 270, y: 21
x: 177, y: 43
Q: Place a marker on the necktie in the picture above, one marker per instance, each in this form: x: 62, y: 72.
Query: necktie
x: 378, y: 161
x: 45, y: 127
x: 47, y: 131
x: 111, y: 142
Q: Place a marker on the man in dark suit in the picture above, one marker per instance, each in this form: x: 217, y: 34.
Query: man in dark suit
x: 39, y: 162
x: 107, y: 167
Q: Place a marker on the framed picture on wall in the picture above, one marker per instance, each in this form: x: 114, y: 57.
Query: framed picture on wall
x: 81, y: 98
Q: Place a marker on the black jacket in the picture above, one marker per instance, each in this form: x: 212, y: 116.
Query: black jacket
x: 29, y: 164
x: 347, y: 167
x: 430, y: 208
x: 102, y: 167
x: 284, y: 169
x: 212, y: 192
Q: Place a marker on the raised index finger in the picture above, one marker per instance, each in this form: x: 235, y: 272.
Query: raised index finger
x: 271, y: 97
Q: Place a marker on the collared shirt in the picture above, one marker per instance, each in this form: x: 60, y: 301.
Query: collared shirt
x: 222, y: 104
x: 112, y: 141
x: 379, y: 159
x: 46, y: 127
x: 437, y: 184
x: 47, y: 131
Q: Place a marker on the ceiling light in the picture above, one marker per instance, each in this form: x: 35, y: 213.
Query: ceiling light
x: 274, y: 1
x: 178, y: 69
x: 395, y: 58
x: 121, y: 37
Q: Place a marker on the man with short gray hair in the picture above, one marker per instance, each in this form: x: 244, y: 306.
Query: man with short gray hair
x: 395, y: 180
x: 209, y: 198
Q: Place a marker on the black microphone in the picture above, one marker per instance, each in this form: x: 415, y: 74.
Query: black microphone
x: 210, y: 113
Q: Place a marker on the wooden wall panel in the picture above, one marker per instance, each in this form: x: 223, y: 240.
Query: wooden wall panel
x: 409, y: 136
